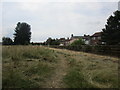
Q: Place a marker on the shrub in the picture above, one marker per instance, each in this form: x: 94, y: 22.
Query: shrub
x: 7, y: 41
x: 78, y: 42
x: 87, y: 48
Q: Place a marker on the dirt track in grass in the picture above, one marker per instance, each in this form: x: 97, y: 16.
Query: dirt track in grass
x: 56, y: 80
x: 62, y: 67
x: 45, y: 67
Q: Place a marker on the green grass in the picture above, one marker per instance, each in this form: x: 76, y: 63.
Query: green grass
x: 14, y: 79
x: 26, y: 66
x: 75, y: 79
x: 91, y: 71
x: 28, y: 52
x: 106, y: 78
x: 33, y: 66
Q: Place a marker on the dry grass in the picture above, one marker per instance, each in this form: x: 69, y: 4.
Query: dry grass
x: 97, y: 70
x: 26, y: 66
x: 37, y: 66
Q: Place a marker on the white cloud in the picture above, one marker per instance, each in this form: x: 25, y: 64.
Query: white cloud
x: 56, y: 20
x: 0, y: 22
x: 32, y: 6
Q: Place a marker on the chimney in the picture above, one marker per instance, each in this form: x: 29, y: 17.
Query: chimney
x: 71, y: 35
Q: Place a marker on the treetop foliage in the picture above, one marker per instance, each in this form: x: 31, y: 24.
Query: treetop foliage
x: 51, y: 41
x: 111, y: 32
x: 22, y: 34
x: 7, y: 41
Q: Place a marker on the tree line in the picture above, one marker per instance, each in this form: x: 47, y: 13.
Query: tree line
x: 22, y: 35
x: 110, y: 34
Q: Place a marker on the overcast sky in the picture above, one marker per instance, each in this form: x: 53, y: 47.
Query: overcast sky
x: 56, y: 19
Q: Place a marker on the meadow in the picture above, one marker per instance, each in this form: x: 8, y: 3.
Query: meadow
x: 44, y: 67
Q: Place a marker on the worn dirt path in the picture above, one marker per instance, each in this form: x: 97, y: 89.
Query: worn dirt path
x: 56, y: 80
x: 87, y: 59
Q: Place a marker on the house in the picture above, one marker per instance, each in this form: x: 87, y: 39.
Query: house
x: 85, y: 38
x: 62, y: 41
x: 66, y: 42
x: 74, y: 38
x: 95, y: 39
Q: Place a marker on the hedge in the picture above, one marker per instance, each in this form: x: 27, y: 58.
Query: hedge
x: 97, y: 49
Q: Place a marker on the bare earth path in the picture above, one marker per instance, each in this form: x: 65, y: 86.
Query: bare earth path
x: 87, y: 60
x: 37, y: 66
x: 61, y: 69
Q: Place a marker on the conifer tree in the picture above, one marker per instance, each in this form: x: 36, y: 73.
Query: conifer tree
x: 22, y: 34
x: 111, y: 32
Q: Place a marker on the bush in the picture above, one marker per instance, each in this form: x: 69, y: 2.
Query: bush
x: 87, y: 48
x: 78, y: 42
x: 7, y: 41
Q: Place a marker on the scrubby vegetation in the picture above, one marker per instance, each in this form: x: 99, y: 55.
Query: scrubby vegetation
x: 26, y: 66
x: 78, y: 42
x: 40, y: 67
x: 91, y: 71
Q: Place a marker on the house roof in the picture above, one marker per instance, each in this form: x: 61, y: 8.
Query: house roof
x: 96, y: 34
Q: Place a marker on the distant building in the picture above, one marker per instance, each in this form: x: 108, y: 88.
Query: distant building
x: 85, y: 38
x: 74, y: 38
x: 66, y: 42
x: 62, y: 41
x: 96, y: 39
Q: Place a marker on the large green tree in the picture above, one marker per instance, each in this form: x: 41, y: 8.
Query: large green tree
x: 22, y: 35
x: 111, y: 32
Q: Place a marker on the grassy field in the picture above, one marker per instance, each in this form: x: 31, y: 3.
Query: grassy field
x: 42, y: 67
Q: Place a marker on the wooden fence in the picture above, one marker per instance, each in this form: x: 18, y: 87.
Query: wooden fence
x: 111, y: 50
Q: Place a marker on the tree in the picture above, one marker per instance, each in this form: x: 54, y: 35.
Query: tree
x: 51, y: 41
x: 22, y: 34
x: 111, y: 32
x: 7, y: 41
x: 78, y: 42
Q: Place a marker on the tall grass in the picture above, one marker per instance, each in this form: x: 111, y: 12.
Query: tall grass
x: 91, y: 71
x: 31, y: 66
x: 75, y: 78
x: 26, y: 66
x: 27, y: 52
